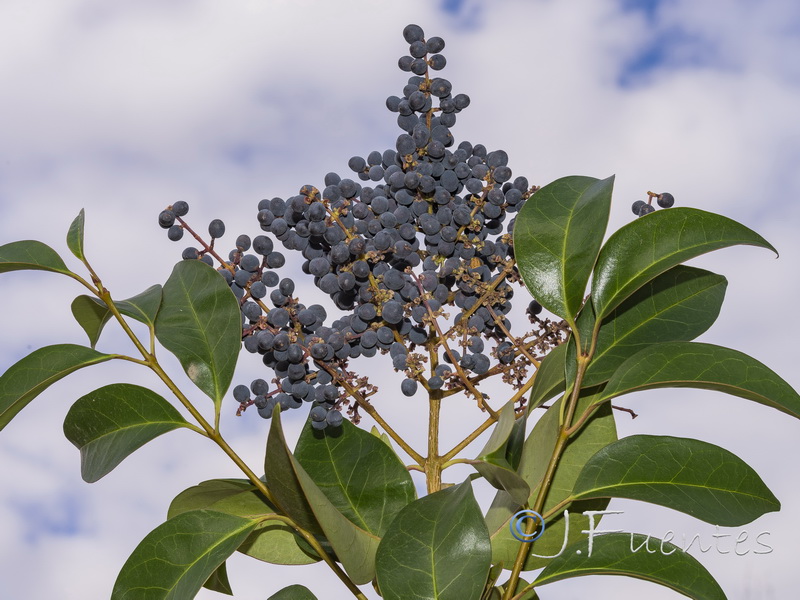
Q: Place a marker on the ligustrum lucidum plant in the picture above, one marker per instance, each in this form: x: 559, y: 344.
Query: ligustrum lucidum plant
x: 421, y: 254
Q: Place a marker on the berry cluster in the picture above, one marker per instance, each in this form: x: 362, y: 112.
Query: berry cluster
x: 641, y: 208
x: 427, y: 230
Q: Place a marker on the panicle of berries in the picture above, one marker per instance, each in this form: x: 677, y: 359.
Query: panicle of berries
x: 422, y: 231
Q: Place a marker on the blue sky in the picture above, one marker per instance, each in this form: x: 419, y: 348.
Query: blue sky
x: 125, y: 107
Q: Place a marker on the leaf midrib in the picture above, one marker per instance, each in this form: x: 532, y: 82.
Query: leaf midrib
x: 586, y: 494
x: 106, y: 434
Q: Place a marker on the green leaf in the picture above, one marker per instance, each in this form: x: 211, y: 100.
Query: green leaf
x: 92, y: 313
x: 91, y: 316
x: 648, y: 246
x: 218, y: 581
x: 598, y: 432
x: 75, y: 236
x: 31, y: 255
x: 705, y: 366
x: 282, y: 481
x: 29, y: 377
x: 496, y: 462
x: 111, y: 422
x: 232, y: 496
x: 199, y: 322
x: 676, y: 306
x: 557, y: 236
x: 611, y: 554
x: 503, y: 477
x: 272, y: 541
x: 293, y: 592
x: 360, y: 475
x: 694, y: 477
x: 175, y: 559
x: 142, y: 307
x: 516, y: 441
x: 303, y: 500
x: 550, y: 379
x: 501, y: 432
x: 437, y: 548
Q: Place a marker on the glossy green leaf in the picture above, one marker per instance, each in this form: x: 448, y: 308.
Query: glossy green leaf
x: 310, y: 507
x: 612, y: 554
x: 92, y: 313
x: 199, y: 322
x: 503, y: 477
x: 705, y: 366
x: 142, y: 307
x: 31, y: 255
x: 293, y: 592
x: 648, y: 246
x: 75, y: 236
x: 437, y: 548
x: 501, y: 431
x: 550, y: 379
x: 218, y: 581
x: 111, y: 422
x: 282, y: 481
x: 694, y: 477
x: 272, y: 541
x: 232, y: 496
x: 29, y: 377
x: 557, y: 236
x: 598, y: 432
x: 495, y: 462
x: 91, y: 316
x: 360, y: 475
x: 175, y: 559
x: 516, y: 442
x: 676, y: 306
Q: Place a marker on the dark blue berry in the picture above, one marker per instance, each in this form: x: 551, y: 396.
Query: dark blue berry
x: 665, y: 200
x: 334, y: 418
x: 259, y: 387
x: 250, y: 263
x: 241, y: 393
x: 408, y: 387
x: 413, y: 33
x: 318, y: 413
x: 646, y: 210
x: 180, y: 208
x: 166, y: 219
x: 175, y: 233
x: 243, y: 243
x: 257, y: 289
x: 216, y: 229
x: 275, y: 260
